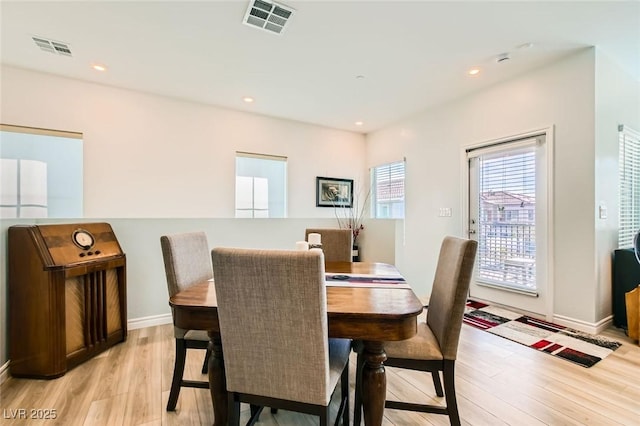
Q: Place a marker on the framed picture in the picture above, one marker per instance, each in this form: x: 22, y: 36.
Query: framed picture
x: 334, y: 192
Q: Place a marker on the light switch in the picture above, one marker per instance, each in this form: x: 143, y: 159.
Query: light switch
x: 445, y: 212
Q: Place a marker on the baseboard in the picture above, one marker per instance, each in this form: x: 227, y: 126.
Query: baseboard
x: 4, y: 372
x: 150, y: 321
x: 587, y: 327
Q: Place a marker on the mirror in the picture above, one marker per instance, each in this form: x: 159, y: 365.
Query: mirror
x: 41, y: 174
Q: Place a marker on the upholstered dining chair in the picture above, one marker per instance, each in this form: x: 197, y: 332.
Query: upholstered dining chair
x: 336, y: 243
x: 278, y: 298
x: 187, y: 261
x: 434, y: 348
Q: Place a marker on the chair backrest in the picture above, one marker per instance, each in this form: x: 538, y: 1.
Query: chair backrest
x: 187, y: 260
x: 336, y: 243
x: 272, y: 310
x: 449, y: 292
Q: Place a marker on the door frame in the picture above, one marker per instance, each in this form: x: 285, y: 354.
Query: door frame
x: 548, y: 132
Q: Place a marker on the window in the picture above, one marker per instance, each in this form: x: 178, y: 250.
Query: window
x: 388, y: 190
x: 629, y: 219
x: 40, y: 173
x: 503, y: 196
x: 260, y: 185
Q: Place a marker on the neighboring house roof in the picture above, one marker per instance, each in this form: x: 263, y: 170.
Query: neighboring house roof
x: 507, y: 198
x: 391, y: 191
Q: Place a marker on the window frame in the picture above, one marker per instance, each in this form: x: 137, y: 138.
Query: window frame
x: 628, y: 186
x: 253, y: 210
x: 375, y: 204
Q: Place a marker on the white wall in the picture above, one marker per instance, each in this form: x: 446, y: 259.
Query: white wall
x: 617, y: 102
x: 151, y: 156
x: 559, y: 95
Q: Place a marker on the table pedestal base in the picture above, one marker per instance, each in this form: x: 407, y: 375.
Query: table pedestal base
x: 374, y: 383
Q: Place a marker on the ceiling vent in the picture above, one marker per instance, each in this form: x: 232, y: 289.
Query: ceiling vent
x: 267, y: 15
x: 51, y: 46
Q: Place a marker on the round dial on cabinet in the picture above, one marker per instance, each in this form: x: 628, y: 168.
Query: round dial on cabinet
x: 83, y: 239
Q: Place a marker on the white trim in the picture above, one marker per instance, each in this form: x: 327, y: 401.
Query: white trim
x: 513, y: 144
x: 529, y: 134
x: 587, y: 327
x: 551, y: 237
x: 150, y: 321
x: 4, y: 372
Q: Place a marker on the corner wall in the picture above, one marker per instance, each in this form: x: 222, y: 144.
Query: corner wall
x: 559, y: 95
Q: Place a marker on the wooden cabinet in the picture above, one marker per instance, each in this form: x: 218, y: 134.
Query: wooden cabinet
x: 67, y: 296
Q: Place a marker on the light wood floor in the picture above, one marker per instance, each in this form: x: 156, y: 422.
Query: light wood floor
x: 498, y: 382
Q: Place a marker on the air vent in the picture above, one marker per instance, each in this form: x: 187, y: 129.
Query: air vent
x: 267, y: 15
x: 51, y: 46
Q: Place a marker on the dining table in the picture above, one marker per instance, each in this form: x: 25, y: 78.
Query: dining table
x: 367, y: 302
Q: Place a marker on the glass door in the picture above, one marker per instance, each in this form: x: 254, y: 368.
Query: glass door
x: 508, y: 217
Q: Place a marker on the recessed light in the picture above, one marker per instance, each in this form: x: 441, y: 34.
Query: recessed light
x: 524, y: 46
x: 474, y: 71
x: 360, y: 77
x: 358, y: 123
x: 248, y: 99
x: 99, y: 67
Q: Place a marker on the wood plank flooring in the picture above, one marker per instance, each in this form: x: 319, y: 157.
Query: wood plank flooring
x: 498, y: 383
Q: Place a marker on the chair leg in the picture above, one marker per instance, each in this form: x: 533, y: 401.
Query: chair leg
x: 233, y: 406
x: 178, y: 371
x: 357, y: 403
x: 255, y: 414
x: 205, y: 364
x: 344, y: 393
x: 437, y: 384
x: 450, y: 392
x: 324, y: 417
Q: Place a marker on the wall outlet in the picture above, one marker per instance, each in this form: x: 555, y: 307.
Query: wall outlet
x: 602, y: 211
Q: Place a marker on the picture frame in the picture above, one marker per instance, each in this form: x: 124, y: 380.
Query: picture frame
x: 334, y: 192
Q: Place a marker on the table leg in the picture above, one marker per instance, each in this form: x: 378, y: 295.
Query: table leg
x: 217, y: 381
x: 374, y: 383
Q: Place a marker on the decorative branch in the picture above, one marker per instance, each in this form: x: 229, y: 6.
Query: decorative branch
x: 352, y: 217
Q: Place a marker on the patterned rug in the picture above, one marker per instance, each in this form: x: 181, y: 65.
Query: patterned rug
x: 566, y: 343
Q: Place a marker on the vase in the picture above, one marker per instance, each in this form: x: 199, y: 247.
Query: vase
x: 355, y: 253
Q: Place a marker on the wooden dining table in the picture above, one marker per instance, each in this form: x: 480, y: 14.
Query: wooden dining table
x: 372, y: 314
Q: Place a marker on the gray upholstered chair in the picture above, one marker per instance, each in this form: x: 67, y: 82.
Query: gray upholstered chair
x: 187, y: 261
x: 336, y: 243
x: 278, y: 298
x: 434, y: 348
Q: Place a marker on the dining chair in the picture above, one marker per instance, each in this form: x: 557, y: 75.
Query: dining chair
x: 278, y: 298
x: 434, y: 348
x: 186, y: 262
x: 336, y: 243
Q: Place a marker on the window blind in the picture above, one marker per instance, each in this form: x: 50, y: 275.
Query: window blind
x: 506, y: 223
x: 388, y: 190
x: 629, y: 170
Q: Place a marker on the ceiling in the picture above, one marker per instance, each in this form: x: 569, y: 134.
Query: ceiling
x: 337, y: 62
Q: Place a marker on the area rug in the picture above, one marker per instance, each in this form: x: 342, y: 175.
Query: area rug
x: 560, y: 341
